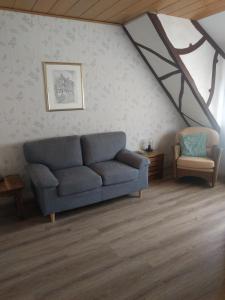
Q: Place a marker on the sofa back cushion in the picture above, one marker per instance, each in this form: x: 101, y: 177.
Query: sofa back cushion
x: 56, y: 153
x: 102, y: 146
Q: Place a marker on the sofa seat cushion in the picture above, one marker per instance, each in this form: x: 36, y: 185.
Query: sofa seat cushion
x: 114, y: 172
x: 77, y: 180
x: 195, y: 162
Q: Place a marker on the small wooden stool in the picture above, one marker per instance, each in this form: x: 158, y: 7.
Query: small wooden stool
x: 13, y: 185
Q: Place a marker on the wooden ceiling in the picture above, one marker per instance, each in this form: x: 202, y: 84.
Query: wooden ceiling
x: 115, y: 11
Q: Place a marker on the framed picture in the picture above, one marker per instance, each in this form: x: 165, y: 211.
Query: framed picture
x: 63, y: 86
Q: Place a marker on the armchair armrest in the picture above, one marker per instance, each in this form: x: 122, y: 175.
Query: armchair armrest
x: 216, y: 153
x: 176, y: 152
x: 132, y: 159
x: 216, y: 156
x: 41, y: 176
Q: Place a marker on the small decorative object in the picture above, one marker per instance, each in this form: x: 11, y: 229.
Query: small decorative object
x: 63, y: 86
x: 149, y: 147
x: 143, y: 144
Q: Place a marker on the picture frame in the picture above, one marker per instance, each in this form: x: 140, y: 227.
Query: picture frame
x: 63, y: 86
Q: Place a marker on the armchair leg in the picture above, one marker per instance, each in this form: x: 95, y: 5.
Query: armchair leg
x: 52, y: 217
x: 214, y: 179
x: 174, y: 172
x: 140, y: 194
x: 213, y: 183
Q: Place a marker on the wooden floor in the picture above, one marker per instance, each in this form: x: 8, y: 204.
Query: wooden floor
x: 170, y: 245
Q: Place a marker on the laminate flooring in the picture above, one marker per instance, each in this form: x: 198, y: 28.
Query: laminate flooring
x: 168, y: 245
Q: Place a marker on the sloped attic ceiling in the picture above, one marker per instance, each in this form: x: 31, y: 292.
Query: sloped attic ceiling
x: 187, y: 63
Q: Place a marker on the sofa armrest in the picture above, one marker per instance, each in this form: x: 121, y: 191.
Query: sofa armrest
x: 132, y: 159
x: 41, y: 176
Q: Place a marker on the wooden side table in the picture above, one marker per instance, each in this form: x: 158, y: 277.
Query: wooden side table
x: 13, y: 185
x: 156, y: 167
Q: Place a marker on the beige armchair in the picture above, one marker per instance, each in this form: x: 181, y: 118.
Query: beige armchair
x: 204, y: 167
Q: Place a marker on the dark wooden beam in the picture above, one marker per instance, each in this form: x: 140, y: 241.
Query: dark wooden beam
x: 169, y: 74
x: 157, y: 54
x: 181, y: 92
x: 191, y: 47
x: 213, y: 81
x: 208, y: 37
x: 193, y: 120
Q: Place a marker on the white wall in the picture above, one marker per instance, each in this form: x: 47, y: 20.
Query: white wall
x: 120, y: 92
x: 214, y: 25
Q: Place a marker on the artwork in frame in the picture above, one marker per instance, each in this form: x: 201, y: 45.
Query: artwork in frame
x: 63, y: 86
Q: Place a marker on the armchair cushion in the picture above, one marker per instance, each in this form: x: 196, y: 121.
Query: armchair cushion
x: 194, y: 144
x: 113, y: 172
x: 195, y: 162
x: 77, y: 180
x: 132, y: 159
x: 41, y: 176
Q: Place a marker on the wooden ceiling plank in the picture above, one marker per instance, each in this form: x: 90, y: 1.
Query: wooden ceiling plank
x: 98, y: 8
x: 185, y: 10
x: 160, y: 4
x: 7, y: 3
x: 210, y: 9
x: 208, y: 2
x: 176, y: 6
x: 61, y: 7
x: 24, y: 4
x: 43, y: 5
x: 134, y: 10
x: 115, y: 9
x: 193, y: 14
x: 80, y: 7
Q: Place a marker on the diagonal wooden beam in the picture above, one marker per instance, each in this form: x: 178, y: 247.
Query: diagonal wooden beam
x: 192, y: 120
x: 213, y: 81
x: 208, y: 37
x: 191, y: 48
x: 169, y: 75
x: 181, y: 91
x: 157, y: 54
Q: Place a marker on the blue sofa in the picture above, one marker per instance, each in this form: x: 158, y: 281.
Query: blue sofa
x: 73, y: 171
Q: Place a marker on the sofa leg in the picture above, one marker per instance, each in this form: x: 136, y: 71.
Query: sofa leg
x: 140, y: 194
x: 52, y: 217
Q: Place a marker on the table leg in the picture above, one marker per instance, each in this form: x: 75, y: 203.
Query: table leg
x: 19, y: 204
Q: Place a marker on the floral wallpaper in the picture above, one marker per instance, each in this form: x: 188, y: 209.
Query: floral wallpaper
x: 120, y: 92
